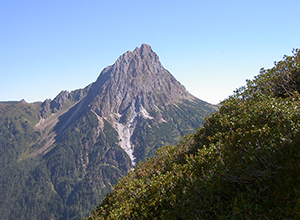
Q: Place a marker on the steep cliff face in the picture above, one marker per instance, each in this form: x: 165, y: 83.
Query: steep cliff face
x: 136, y: 89
x: 81, y: 142
x: 136, y: 79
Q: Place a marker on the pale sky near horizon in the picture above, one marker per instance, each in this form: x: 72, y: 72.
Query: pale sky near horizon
x: 211, y: 47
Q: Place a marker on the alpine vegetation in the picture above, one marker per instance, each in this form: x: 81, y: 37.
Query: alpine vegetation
x: 242, y: 164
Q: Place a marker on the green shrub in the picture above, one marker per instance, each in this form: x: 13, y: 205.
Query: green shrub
x: 242, y: 164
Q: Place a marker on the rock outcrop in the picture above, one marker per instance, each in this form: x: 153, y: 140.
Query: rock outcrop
x: 77, y: 145
x: 134, y: 85
x: 136, y: 79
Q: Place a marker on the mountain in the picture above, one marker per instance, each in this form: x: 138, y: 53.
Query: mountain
x: 243, y: 163
x: 60, y: 157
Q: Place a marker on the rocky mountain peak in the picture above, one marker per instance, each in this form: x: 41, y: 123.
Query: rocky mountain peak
x: 136, y: 79
x: 145, y: 51
x: 128, y: 91
x: 77, y: 145
x: 135, y: 66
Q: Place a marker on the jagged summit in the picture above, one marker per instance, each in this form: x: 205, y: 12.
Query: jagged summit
x: 127, y: 91
x: 134, y: 91
x: 137, y: 76
x: 77, y: 145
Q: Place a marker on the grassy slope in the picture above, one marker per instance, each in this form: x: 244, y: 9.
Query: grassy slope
x: 81, y: 166
x: 242, y: 164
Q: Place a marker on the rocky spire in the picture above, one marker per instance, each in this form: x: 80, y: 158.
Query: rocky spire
x: 136, y: 79
x: 127, y: 91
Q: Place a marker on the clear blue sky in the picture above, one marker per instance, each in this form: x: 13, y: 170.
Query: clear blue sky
x: 211, y: 47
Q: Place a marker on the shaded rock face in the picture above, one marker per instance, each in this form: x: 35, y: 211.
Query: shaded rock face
x: 64, y: 99
x: 127, y: 91
x: 136, y: 79
x: 77, y: 145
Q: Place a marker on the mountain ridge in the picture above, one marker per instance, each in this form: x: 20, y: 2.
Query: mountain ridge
x: 144, y: 74
x: 67, y: 153
x: 124, y: 91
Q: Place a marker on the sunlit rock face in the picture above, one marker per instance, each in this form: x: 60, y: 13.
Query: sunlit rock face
x: 135, y: 84
x: 136, y: 79
x: 77, y: 145
x: 138, y: 97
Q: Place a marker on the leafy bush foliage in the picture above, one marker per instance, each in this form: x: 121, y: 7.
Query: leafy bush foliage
x: 242, y: 164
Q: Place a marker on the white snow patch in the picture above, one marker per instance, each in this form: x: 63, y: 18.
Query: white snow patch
x: 162, y: 120
x: 125, y: 132
x: 124, y: 135
x: 144, y: 113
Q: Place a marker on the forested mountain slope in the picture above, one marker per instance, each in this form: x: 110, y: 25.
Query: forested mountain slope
x: 60, y: 157
x: 242, y: 164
